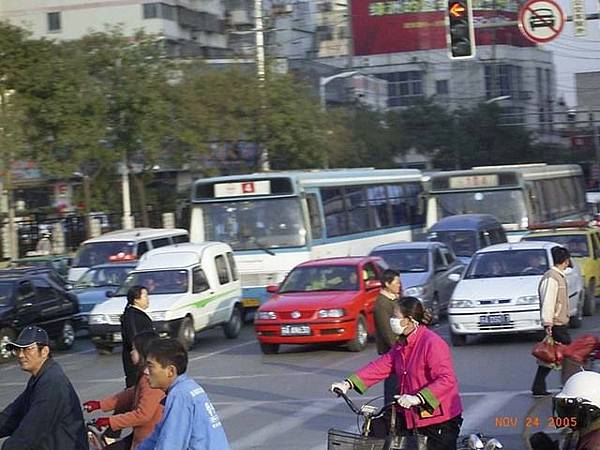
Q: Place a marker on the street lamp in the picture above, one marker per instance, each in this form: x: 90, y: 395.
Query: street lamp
x: 324, y: 80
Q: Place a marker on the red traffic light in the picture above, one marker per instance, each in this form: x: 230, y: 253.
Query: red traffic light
x: 457, y: 9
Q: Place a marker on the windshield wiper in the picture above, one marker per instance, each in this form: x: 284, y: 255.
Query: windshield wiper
x: 263, y: 248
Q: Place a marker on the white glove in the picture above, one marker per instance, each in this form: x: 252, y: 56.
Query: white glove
x: 342, y: 386
x: 408, y: 401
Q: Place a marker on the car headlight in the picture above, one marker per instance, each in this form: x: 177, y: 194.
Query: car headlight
x: 266, y: 315
x: 97, y: 319
x: 158, y: 315
x: 462, y: 304
x: 323, y: 313
x: 415, y: 291
x: 528, y: 300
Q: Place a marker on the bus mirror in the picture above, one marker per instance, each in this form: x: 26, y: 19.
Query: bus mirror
x: 422, y: 204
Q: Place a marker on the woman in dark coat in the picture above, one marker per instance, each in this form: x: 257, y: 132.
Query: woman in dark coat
x: 133, y: 321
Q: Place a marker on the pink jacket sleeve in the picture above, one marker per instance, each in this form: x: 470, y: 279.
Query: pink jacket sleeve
x: 374, y: 372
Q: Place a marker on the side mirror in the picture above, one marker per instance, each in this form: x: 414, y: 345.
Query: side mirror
x: 110, y: 294
x: 454, y: 277
x: 373, y: 284
x: 68, y: 286
x: 272, y: 289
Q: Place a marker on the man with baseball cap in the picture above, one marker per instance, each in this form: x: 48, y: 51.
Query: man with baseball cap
x: 47, y: 415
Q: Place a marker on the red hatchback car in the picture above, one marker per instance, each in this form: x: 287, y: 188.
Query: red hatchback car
x: 327, y: 300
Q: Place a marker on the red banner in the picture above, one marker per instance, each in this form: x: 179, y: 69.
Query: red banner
x: 406, y: 26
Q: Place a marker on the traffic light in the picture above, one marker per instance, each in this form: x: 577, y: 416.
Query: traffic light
x: 461, y: 35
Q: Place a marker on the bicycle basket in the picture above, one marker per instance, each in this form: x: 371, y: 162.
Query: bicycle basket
x: 343, y: 440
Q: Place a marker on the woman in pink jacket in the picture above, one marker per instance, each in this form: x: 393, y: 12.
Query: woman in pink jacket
x: 427, y: 385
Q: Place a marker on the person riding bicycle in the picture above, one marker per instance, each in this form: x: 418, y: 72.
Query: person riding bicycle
x: 190, y: 421
x: 427, y: 385
x: 46, y: 416
x: 141, y: 404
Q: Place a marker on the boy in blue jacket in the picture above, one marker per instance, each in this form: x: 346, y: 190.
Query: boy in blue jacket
x: 189, y: 420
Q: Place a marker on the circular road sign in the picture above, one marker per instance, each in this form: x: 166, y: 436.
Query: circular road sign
x: 541, y: 20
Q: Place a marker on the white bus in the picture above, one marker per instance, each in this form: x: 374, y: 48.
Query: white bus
x: 518, y: 195
x: 277, y: 220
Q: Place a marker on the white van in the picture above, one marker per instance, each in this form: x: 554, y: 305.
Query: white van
x: 130, y: 243
x: 191, y: 287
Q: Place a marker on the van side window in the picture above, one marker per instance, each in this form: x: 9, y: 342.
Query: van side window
x: 232, y: 266
x: 181, y: 238
x: 25, y: 292
x: 438, y: 260
x: 497, y: 236
x: 314, y: 214
x: 142, y: 248
x: 222, y: 271
x: 199, y: 282
x: 484, y: 238
x: 43, y: 290
x: 162, y: 242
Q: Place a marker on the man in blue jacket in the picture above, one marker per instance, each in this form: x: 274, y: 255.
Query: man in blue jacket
x: 189, y: 420
x: 47, y: 415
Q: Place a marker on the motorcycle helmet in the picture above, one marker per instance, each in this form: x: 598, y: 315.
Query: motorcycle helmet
x: 578, y: 403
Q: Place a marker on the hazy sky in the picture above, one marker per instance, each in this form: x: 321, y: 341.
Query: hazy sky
x: 575, y: 54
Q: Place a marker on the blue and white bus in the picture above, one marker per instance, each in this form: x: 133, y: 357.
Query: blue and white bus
x: 277, y: 220
x: 518, y: 195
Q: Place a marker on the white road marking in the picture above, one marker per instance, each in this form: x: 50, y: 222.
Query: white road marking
x: 224, y: 350
x: 260, y: 436
x: 483, y: 410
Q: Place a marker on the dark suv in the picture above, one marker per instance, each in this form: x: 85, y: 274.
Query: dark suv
x: 35, y: 296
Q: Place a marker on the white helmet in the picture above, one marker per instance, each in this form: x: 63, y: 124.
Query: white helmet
x: 583, y: 385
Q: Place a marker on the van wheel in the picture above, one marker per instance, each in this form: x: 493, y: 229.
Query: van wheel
x: 589, y: 306
x: 233, y: 327
x: 577, y: 319
x: 269, y: 349
x: 458, y: 340
x: 6, y: 335
x: 66, y: 338
x: 360, y: 337
x: 186, y: 334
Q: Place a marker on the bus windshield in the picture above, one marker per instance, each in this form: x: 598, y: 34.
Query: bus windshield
x: 507, y: 205
x: 255, y: 224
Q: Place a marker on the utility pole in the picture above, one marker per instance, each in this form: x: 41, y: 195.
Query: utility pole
x: 8, y: 188
x: 265, y: 164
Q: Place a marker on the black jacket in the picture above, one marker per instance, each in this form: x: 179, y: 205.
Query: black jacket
x: 46, y: 416
x: 133, y: 321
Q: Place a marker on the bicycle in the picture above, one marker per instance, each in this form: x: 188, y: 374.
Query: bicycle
x: 345, y: 440
x: 95, y: 436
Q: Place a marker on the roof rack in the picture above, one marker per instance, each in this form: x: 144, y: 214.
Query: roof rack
x: 555, y: 226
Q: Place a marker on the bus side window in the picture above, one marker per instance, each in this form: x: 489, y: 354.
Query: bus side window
x: 314, y: 215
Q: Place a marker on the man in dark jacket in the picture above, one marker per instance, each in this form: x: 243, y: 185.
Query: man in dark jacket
x: 391, y: 291
x: 47, y: 415
x: 133, y: 321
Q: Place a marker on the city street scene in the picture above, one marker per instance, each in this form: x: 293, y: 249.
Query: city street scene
x: 299, y: 225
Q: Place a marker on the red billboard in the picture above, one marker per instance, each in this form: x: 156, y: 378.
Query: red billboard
x: 412, y: 25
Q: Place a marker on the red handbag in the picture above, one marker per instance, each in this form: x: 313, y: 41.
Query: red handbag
x: 581, y: 348
x: 548, y: 351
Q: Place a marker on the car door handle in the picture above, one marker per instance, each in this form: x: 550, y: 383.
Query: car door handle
x: 26, y: 305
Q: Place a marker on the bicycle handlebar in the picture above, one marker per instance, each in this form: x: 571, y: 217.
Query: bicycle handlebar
x: 359, y: 411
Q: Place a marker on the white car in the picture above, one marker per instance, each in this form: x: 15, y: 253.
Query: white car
x: 192, y: 287
x: 498, y: 293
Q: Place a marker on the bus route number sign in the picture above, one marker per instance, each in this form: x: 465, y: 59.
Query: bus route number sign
x: 473, y: 181
x: 259, y: 187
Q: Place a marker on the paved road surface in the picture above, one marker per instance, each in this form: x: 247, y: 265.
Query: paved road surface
x: 281, y: 401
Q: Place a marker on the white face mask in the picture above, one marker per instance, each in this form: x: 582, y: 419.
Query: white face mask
x: 397, y: 328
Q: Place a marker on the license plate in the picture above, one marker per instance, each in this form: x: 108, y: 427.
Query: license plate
x: 494, y: 319
x: 250, y: 302
x: 295, y: 330
x: 117, y: 337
